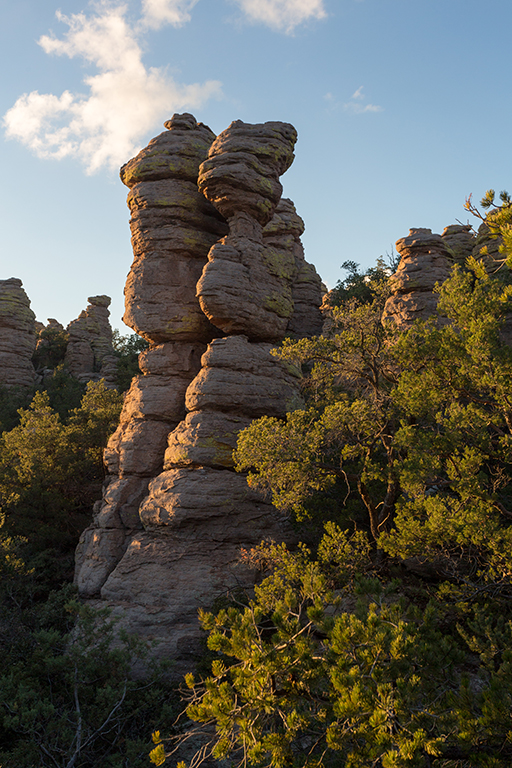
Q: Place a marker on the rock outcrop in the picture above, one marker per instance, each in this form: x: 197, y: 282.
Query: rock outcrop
x: 425, y: 260
x: 218, y: 275
x: 89, y: 353
x: 247, y: 285
x: 17, y: 335
x: 173, y: 227
x: 460, y: 242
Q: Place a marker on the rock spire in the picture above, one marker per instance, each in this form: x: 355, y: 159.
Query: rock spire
x: 218, y: 276
x: 17, y: 335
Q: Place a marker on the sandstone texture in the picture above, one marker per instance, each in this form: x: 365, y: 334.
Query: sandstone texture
x: 425, y: 260
x: 218, y: 276
x: 17, y: 335
x: 89, y: 353
x: 491, y: 256
x: 246, y: 287
x: 281, y: 237
x: 173, y: 227
x: 460, y: 241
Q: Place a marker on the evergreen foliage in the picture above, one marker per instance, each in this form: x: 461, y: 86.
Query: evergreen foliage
x: 51, y: 471
x: 362, y: 285
x: 390, y: 645
x: 67, y: 694
x: 127, y: 350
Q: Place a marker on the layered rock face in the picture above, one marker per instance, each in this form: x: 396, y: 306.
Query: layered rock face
x: 89, y: 353
x: 425, y: 260
x: 247, y: 285
x: 173, y: 227
x: 174, y: 516
x: 17, y: 335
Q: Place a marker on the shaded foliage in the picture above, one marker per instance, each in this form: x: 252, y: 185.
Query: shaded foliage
x: 127, y: 350
x: 67, y: 695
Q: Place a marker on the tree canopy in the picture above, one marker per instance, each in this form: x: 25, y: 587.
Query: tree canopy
x: 387, y: 641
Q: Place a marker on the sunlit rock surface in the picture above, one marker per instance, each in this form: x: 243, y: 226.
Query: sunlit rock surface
x: 218, y: 276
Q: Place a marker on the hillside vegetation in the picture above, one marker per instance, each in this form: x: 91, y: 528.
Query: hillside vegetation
x: 386, y: 639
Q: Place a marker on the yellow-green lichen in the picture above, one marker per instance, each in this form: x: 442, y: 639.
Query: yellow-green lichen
x: 281, y: 305
x: 279, y: 263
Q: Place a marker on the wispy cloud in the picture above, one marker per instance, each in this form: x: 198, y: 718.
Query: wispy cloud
x: 282, y: 15
x: 123, y: 101
x: 357, y: 106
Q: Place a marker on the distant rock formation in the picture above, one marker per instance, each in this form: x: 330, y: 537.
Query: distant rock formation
x: 90, y: 354
x: 427, y: 259
x: 17, y: 335
x: 460, y: 242
x: 167, y: 534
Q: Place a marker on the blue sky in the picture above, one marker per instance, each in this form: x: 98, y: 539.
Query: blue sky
x: 403, y: 108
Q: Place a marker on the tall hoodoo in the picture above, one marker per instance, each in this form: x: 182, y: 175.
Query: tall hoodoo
x: 90, y: 354
x: 17, y: 335
x: 173, y: 227
x: 174, y: 516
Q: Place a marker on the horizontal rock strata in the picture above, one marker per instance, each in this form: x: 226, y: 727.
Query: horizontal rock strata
x: 210, y: 299
x: 89, y: 353
x: 173, y: 227
x: 246, y: 287
x: 425, y: 261
x: 17, y: 335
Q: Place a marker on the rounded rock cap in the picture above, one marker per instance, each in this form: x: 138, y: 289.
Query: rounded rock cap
x: 99, y: 301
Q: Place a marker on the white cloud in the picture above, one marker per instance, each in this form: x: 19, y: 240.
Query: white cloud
x: 124, y: 100
x: 156, y: 13
x: 282, y: 15
x: 356, y: 106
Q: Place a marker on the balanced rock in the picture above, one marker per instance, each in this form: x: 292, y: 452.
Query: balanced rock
x: 17, y: 335
x: 246, y: 286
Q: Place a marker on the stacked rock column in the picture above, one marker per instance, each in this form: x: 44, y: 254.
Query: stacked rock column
x: 90, y: 354
x: 199, y: 513
x: 17, y: 335
x: 425, y: 261
x: 173, y: 227
x: 212, y: 301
